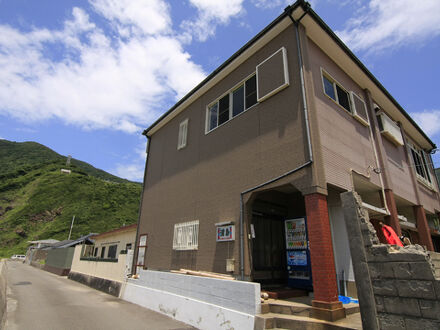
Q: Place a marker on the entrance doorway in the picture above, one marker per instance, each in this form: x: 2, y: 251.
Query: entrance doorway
x: 270, y: 210
x: 268, y: 249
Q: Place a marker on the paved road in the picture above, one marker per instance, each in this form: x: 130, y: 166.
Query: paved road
x: 41, y: 300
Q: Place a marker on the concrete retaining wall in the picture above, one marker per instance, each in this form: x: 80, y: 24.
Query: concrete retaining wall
x: 101, y: 284
x: 3, y: 286
x: 397, y: 286
x: 60, y: 258
x: 205, y: 303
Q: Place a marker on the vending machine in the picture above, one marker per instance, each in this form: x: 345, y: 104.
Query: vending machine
x: 298, y: 254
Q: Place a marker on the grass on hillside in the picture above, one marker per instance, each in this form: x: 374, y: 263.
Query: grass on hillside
x: 38, y: 202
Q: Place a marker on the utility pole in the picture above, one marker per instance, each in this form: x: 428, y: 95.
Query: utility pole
x: 71, y: 226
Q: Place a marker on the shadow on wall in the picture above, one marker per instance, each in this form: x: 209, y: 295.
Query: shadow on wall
x: 397, y: 286
x: 184, y: 259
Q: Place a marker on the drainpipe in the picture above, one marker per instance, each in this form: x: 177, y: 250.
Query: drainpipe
x: 309, y: 144
x: 133, y: 265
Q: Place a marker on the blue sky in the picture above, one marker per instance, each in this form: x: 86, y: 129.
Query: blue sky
x: 86, y: 77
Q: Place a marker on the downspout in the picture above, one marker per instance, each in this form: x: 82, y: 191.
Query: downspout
x: 309, y: 144
x: 133, y: 268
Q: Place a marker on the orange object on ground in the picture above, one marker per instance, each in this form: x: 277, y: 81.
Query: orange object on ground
x: 391, y: 236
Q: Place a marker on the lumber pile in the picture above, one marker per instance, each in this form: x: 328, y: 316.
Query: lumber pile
x: 203, y: 273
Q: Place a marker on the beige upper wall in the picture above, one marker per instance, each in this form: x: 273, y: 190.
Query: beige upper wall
x: 119, y: 238
x: 346, y: 143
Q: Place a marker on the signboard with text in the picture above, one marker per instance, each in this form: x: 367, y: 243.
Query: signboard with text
x: 225, y: 233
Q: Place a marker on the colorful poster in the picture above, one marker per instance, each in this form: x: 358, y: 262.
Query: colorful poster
x: 225, y: 233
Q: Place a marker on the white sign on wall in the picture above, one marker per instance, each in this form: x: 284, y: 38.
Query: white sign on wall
x: 225, y: 233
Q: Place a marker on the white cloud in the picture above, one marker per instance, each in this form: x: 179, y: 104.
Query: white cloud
x: 265, y: 4
x: 210, y: 14
x: 132, y: 172
x: 120, y: 82
x: 392, y: 23
x: 428, y: 121
x: 140, y: 16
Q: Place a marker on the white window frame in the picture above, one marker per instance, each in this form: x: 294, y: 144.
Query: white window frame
x: 230, y: 92
x: 335, y: 82
x: 426, y: 169
x: 186, y: 236
x: 183, y: 134
x: 285, y: 71
x: 355, y: 111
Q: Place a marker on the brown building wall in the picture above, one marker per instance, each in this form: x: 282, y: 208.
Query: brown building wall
x: 346, y: 143
x: 428, y: 198
x: 204, y: 180
x: 399, y: 171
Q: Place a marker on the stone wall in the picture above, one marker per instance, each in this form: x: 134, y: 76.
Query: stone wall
x: 397, y: 286
x: 39, y: 258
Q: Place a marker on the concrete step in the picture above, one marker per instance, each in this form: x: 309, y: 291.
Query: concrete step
x: 295, y: 322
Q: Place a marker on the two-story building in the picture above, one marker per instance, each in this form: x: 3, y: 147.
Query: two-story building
x: 276, y: 133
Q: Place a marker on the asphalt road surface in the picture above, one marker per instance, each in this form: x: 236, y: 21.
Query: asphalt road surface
x: 41, y: 300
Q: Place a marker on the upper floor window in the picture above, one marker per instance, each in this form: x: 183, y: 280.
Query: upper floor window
x: 239, y: 99
x: 183, y: 133
x: 421, y: 164
x: 335, y: 91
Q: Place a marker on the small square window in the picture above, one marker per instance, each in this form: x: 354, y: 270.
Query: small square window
x: 186, y: 235
x: 336, y: 92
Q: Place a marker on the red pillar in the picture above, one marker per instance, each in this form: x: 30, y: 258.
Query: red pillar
x: 325, y: 303
x: 423, y: 228
x: 392, y: 219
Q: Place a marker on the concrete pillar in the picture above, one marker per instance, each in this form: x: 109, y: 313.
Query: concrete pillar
x: 325, y: 303
x: 392, y: 219
x: 423, y: 228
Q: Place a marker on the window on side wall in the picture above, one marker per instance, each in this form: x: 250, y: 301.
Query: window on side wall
x: 335, y: 91
x: 186, y: 235
x: 236, y: 101
x: 183, y: 134
x: 112, y: 251
x: 103, y: 252
x: 421, y: 163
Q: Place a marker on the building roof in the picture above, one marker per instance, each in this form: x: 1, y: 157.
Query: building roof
x: 116, y: 231
x: 68, y: 243
x: 299, y: 9
x: 44, y: 241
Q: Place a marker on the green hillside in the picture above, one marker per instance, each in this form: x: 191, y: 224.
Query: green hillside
x: 22, y: 156
x: 37, y: 201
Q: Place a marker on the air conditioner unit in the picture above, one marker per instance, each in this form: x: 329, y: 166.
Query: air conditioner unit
x: 359, y: 109
x: 390, y: 129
